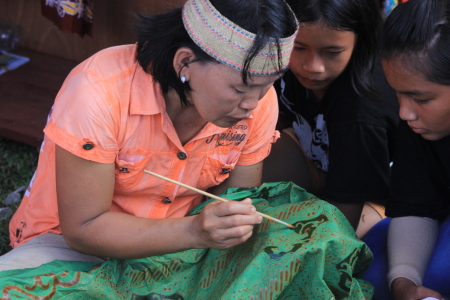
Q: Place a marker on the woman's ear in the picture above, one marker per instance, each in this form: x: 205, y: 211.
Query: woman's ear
x: 181, y: 60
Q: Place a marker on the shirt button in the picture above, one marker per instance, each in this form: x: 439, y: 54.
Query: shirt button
x: 225, y: 171
x: 124, y: 170
x: 166, y: 200
x: 88, y: 146
x: 181, y: 155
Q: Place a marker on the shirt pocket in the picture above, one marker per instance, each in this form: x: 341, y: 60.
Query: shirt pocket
x: 129, y: 174
x: 214, y: 172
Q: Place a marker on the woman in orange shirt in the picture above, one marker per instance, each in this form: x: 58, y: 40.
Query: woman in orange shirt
x: 193, y: 101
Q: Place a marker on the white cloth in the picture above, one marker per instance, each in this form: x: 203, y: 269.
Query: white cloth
x: 40, y: 250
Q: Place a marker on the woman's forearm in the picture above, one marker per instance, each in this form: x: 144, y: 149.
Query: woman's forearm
x: 119, y: 235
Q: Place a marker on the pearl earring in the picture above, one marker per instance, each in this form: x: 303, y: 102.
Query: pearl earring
x: 183, y: 79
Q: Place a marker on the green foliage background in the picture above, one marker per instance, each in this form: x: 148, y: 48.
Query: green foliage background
x: 17, y: 164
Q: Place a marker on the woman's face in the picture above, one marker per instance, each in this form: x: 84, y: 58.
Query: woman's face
x: 220, y: 96
x: 424, y: 105
x: 320, y: 55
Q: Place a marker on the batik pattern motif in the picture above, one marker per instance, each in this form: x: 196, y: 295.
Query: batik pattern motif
x: 320, y: 259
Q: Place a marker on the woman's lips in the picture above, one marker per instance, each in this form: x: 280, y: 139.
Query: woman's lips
x: 235, y: 120
x: 311, y: 81
x: 418, y: 130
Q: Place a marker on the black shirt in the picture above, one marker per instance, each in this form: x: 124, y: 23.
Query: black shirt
x: 420, y: 182
x: 349, y: 136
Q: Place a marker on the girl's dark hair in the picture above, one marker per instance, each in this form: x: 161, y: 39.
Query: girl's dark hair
x: 418, y: 33
x: 160, y: 36
x: 362, y: 17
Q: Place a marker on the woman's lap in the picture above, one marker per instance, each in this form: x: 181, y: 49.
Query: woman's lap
x: 436, y: 275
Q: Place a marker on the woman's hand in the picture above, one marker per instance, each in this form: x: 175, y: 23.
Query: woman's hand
x: 222, y: 225
x: 405, y: 289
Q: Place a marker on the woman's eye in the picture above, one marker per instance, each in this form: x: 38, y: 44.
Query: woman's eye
x: 333, y: 53
x: 421, y: 101
x: 239, y: 91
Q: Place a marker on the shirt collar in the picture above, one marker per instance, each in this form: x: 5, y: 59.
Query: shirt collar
x: 143, y: 90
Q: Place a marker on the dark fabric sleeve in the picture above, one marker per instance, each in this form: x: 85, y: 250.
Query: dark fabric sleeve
x: 358, y: 163
x: 416, y: 185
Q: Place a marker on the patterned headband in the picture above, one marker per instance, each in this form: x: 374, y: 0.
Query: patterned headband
x: 230, y: 44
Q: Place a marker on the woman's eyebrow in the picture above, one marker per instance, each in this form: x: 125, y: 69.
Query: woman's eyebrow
x: 414, y: 92
x: 334, y: 47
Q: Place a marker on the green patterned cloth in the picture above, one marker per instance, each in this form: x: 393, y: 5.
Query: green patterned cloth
x: 321, y: 259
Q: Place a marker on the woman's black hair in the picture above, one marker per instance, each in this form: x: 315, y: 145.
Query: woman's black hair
x: 160, y: 36
x: 418, y: 33
x: 362, y: 17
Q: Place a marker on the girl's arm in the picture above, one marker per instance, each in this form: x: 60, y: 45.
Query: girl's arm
x: 411, y: 241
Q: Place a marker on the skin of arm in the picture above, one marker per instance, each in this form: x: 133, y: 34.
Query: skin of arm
x: 241, y: 176
x: 352, y: 211
x: 85, y: 190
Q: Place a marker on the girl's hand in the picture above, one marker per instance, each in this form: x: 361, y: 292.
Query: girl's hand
x: 222, y: 225
x: 405, y: 289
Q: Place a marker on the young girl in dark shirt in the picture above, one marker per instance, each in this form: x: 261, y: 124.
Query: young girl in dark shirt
x: 337, y: 114
x: 416, y: 61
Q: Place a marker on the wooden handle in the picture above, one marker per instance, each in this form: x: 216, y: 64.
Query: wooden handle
x: 215, y: 197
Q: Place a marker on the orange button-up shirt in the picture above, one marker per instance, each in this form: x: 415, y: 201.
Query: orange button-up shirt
x: 110, y: 111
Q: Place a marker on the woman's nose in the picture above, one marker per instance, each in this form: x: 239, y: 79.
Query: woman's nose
x: 314, y: 64
x: 249, y: 102
x: 406, y: 111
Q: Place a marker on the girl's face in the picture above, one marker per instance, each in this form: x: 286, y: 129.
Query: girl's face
x: 320, y: 55
x: 219, y: 95
x: 424, y: 105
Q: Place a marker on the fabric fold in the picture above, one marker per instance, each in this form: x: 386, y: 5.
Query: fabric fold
x: 320, y: 259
